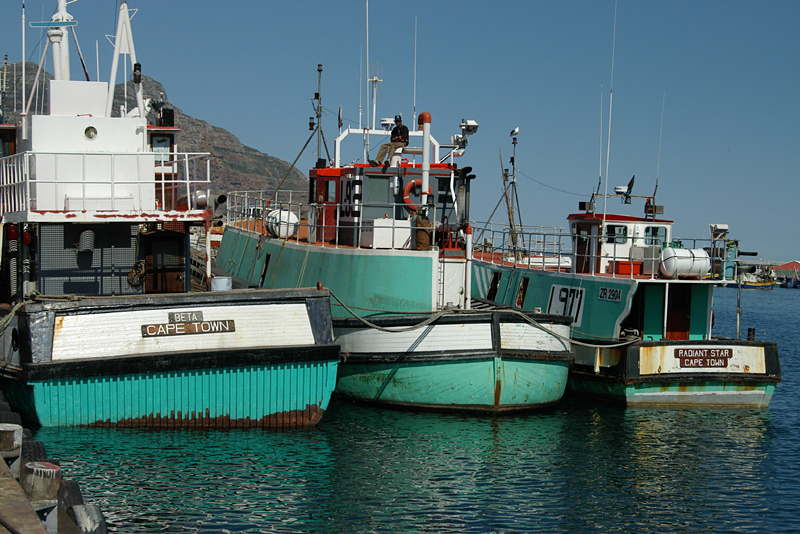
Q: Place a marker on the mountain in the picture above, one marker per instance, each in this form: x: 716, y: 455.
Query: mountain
x: 234, y: 166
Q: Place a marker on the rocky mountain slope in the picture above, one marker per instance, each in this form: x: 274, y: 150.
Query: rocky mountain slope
x: 234, y: 166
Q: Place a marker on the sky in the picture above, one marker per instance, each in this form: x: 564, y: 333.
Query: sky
x: 726, y: 73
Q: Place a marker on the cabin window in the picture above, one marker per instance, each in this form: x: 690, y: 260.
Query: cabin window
x: 495, y: 284
x: 617, y: 234
x: 330, y: 191
x: 655, y: 235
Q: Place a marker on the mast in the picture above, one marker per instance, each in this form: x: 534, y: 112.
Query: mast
x: 3, y: 94
x: 123, y: 44
x: 57, y: 36
x: 319, y: 112
x: 367, y: 80
x: 658, y: 164
x: 610, y: 103
x: 511, y: 186
x: 24, y: 111
x: 414, y: 103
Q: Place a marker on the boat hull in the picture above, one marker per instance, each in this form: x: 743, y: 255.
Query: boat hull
x: 237, y: 359
x: 682, y: 373
x: 490, y: 362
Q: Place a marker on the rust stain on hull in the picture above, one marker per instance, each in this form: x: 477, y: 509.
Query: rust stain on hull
x: 309, y: 416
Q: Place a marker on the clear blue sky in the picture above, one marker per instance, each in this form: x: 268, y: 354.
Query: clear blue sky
x: 730, y: 71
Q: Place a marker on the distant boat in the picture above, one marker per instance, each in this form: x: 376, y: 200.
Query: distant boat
x: 757, y: 278
x: 100, y: 327
x: 394, y: 246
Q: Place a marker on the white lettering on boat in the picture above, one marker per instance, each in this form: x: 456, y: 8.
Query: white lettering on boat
x: 197, y: 327
x: 185, y: 316
x: 694, y: 357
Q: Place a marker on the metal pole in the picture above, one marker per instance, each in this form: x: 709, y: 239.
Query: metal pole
x: 468, y: 281
x: 319, y: 112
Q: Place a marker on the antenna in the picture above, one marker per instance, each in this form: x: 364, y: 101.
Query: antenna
x: 600, y: 164
x: 319, y: 113
x: 610, y: 103
x: 414, y: 105
x: 367, y: 80
x: 660, y: 132
x: 24, y: 111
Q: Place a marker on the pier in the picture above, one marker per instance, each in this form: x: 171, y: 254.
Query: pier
x: 34, y: 498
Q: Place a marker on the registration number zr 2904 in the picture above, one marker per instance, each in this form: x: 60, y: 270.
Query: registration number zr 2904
x: 610, y: 293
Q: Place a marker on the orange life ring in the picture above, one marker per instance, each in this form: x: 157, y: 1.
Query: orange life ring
x: 407, y: 191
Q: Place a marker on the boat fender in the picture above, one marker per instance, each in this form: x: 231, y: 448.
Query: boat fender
x: 417, y: 182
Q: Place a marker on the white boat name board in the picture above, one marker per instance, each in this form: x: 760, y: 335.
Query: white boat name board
x: 161, y: 331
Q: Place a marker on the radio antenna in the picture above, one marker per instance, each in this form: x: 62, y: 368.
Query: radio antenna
x: 414, y: 104
x: 660, y: 132
x: 610, y: 103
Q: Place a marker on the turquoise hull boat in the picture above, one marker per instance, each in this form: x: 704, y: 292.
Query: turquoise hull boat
x: 642, y: 312
x: 491, y: 362
x: 110, y: 320
x: 398, y: 270
x: 258, y: 359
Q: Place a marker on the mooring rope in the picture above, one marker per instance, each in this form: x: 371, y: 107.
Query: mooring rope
x: 436, y: 315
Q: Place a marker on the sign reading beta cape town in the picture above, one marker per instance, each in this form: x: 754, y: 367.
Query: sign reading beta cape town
x: 690, y: 357
x: 187, y: 322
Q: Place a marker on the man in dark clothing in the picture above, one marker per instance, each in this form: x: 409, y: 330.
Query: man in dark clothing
x: 399, y: 139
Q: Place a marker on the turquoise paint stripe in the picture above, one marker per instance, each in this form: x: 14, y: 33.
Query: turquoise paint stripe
x: 453, y: 384
x: 683, y: 390
x: 600, y: 317
x: 376, y: 280
x: 237, y: 392
x: 538, y: 382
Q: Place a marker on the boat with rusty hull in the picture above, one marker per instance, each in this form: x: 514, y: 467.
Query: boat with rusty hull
x: 102, y: 326
x: 641, y: 301
x: 228, y: 359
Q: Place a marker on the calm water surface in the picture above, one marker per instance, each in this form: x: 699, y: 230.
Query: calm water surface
x: 581, y: 467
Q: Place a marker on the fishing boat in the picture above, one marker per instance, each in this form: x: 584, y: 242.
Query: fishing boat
x: 753, y: 277
x: 641, y: 302
x: 100, y: 325
x: 393, y: 245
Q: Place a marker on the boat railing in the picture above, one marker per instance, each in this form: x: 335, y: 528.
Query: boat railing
x: 542, y: 247
x: 553, y: 248
x: 140, y: 181
x: 285, y: 216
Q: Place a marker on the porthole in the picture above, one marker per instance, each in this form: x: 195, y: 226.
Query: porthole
x: 90, y: 132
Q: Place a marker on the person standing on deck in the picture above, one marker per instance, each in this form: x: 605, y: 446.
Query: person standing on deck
x: 399, y: 139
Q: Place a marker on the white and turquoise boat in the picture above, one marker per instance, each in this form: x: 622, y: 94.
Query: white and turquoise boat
x: 397, y: 264
x: 101, y: 326
x: 641, y: 303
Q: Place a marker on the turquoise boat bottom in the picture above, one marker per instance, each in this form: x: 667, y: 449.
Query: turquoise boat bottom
x: 696, y: 393
x: 482, y: 385
x: 251, y: 396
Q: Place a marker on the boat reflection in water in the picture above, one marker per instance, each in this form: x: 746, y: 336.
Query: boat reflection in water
x: 571, y: 469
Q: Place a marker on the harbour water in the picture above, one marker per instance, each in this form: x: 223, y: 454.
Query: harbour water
x: 579, y: 467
